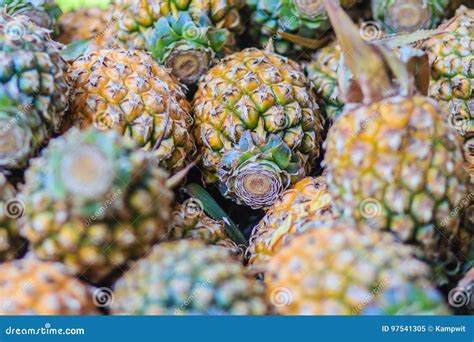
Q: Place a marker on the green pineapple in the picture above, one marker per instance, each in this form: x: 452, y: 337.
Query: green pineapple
x: 44, y: 13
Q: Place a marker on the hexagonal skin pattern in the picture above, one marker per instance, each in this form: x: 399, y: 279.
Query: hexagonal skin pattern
x: 308, y: 201
x: 452, y: 78
x: 258, y: 91
x: 129, y: 91
x: 339, y: 270
x: 396, y: 165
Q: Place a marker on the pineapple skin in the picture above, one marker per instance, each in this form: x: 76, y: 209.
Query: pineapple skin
x: 94, y: 202
x: 33, y: 287
x: 34, y: 89
x: 452, y: 80
x: 187, y: 277
x: 43, y: 13
x: 308, y: 201
x: 263, y: 97
x: 396, y: 166
x: 339, y: 270
x: 189, y: 221
x: 130, y: 92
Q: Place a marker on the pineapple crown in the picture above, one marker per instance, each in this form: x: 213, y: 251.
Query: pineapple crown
x: 256, y: 174
x: 186, y: 45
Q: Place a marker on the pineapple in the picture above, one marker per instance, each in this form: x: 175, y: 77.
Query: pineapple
x: 258, y: 126
x: 11, y: 209
x: 187, y: 277
x: 189, y: 221
x: 393, y: 162
x: 32, y: 287
x: 33, y: 89
x: 94, y: 202
x: 411, y: 15
x: 86, y: 23
x: 307, y: 19
x: 184, y: 35
x: 322, y: 72
x: 129, y: 91
x: 307, y: 201
x: 44, y: 13
x: 338, y: 270
x: 451, y: 56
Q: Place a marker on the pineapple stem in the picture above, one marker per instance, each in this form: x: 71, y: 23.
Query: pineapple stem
x: 188, y: 65
x: 365, y: 62
x: 213, y: 209
x: 408, y: 15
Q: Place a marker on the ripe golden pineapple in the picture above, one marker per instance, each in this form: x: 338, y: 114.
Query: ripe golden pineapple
x: 32, y: 287
x: 451, y: 58
x: 130, y: 92
x: 307, y: 201
x: 258, y: 126
x: 189, y: 221
x: 187, y: 277
x: 94, y: 202
x: 339, y: 270
x: 393, y: 162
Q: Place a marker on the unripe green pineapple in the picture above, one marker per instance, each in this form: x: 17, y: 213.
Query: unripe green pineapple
x: 338, y: 270
x: 258, y: 126
x: 44, y: 13
x: 33, y: 89
x: 187, y: 277
x: 94, y: 202
x: 393, y: 162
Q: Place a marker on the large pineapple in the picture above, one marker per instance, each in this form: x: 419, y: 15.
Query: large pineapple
x: 189, y: 221
x: 451, y: 57
x: 188, y: 277
x: 322, y: 72
x: 129, y: 91
x: 94, y: 202
x: 307, y: 201
x: 11, y: 209
x: 183, y: 35
x: 44, y: 13
x: 393, y: 162
x: 258, y: 126
x: 33, y: 89
x: 32, y: 287
x: 338, y: 270
x: 411, y: 15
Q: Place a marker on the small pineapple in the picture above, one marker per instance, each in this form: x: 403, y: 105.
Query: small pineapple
x: 33, y: 89
x: 393, y: 162
x: 258, y: 126
x: 322, y: 72
x: 43, y: 13
x: 307, y: 201
x: 11, y: 210
x: 94, y: 202
x: 189, y: 221
x: 129, y: 91
x: 32, y: 287
x: 187, y: 277
x: 411, y: 15
x: 451, y: 56
x: 339, y: 270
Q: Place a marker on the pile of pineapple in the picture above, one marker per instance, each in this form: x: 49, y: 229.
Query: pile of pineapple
x: 308, y: 157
